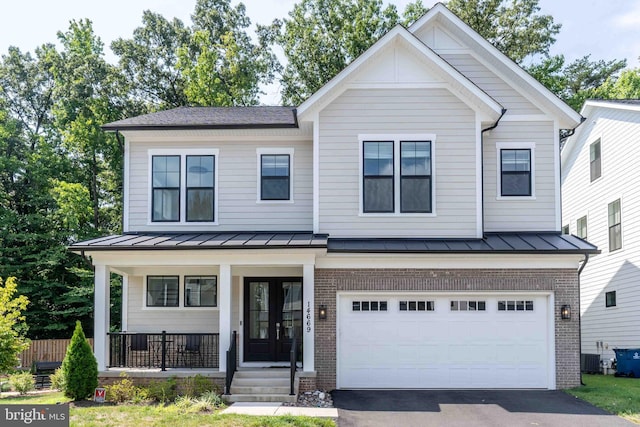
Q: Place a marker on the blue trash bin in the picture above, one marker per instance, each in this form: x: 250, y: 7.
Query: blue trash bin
x: 628, y: 362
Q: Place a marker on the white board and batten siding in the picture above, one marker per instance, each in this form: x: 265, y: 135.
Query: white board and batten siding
x: 619, y: 271
x: 238, y: 208
x: 537, y: 213
x: 396, y: 112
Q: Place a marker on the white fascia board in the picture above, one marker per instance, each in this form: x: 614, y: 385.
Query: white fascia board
x: 568, y: 118
x: 458, y: 82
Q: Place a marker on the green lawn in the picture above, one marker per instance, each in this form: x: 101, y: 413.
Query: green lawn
x: 170, y: 416
x: 620, y: 396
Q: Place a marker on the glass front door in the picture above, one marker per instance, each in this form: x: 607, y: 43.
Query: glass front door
x: 273, y: 317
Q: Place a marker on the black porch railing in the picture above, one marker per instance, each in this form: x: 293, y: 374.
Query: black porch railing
x: 232, y: 357
x: 293, y: 359
x: 163, y: 350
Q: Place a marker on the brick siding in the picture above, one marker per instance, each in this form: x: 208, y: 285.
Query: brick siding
x: 563, y: 282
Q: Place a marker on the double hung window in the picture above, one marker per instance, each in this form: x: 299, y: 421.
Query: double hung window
x: 275, y: 176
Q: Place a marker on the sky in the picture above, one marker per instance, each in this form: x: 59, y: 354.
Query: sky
x: 606, y: 29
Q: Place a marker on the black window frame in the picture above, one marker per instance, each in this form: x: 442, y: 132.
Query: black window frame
x: 579, y: 227
x: 198, y: 188
x: 529, y: 172
x: 428, y: 177
x: 215, y: 291
x: 615, y: 228
x: 265, y: 179
x: 163, y: 277
x: 595, y: 160
x: 154, y: 188
x: 610, y: 299
x: 366, y: 176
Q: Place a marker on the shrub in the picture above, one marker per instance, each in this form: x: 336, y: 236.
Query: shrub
x: 125, y: 391
x: 57, y: 379
x: 163, y: 391
x: 196, y: 386
x: 80, y: 367
x: 207, y: 401
x: 22, y: 382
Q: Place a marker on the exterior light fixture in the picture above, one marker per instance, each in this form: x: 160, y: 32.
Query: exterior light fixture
x: 565, y: 312
x: 322, y: 312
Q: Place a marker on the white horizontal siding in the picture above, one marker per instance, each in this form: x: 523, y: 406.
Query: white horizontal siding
x: 506, y: 214
x: 619, y: 131
x: 238, y: 169
x: 398, y: 111
x: 495, y: 86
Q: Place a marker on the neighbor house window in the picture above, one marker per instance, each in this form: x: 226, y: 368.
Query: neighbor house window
x: 165, y: 178
x: 162, y: 291
x: 595, y: 160
x: 581, y: 226
x: 200, y: 188
x: 275, y: 177
x: 200, y: 291
x: 565, y: 229
x: 378, y: 182
x: 610, y: 299
x: 415, y: 176
x: 615, y: 226
x: 515, y: 166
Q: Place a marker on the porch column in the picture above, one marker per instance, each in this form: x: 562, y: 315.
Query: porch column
x: 224, y: 292
x: 125, y: 302
x: 101, y: 316
x: 308, y: 316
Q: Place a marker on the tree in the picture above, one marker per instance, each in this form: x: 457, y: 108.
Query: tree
x: 12, y: 326
x: 79, y: 367
x: 513, y: 26
x: 576, y: 81
x: 625, y: 86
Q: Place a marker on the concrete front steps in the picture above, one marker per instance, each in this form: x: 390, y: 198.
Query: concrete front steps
x: 262, y: 385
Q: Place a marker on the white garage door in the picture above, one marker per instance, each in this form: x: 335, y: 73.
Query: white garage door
x: 453, y: 341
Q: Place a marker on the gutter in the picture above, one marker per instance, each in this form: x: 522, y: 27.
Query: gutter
x: 584, y: 264
x: 495, y: 125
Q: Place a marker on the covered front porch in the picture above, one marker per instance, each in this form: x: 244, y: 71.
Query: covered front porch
x: 182, y: 306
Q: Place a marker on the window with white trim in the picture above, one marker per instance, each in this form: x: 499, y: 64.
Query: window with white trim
x: 581, y: 227
x: 397, y: 174
x: 183, y: 185
x: 595, y: 160
x: 200, y: 291
x: 615, y: 226
x: 275, y: 175
x: 516, y: 170
x: 163, y: 291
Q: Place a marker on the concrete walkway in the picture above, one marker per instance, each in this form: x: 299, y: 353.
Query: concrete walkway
x: 271, y: 408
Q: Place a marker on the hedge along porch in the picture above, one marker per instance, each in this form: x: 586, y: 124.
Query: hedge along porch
x: 283, y: 275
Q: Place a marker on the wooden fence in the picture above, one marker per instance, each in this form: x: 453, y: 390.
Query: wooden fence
x: 46, y: 351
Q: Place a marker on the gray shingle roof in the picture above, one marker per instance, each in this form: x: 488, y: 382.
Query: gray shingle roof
x: 491, y: 243
x: 211, y: 118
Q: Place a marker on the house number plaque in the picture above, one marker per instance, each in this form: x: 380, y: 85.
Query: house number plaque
x: 308, y: 316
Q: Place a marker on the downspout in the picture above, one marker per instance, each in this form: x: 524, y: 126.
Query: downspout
x: 584, y: 264
x: 495, y: 125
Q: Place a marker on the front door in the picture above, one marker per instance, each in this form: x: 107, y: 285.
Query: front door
x: 272, y: 317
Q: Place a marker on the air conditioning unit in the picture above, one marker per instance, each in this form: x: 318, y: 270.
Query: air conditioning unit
x: 590, y: 363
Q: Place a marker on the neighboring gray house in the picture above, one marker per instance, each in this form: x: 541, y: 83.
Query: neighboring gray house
x: 600, y: 203
x: 403, y: 223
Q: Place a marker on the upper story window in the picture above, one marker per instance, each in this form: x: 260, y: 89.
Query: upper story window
x: 515, y: 170
x: 595, y: 160
x: 565, y: 229
x: 610, y: 299
x: 397, y: 174
x: 615, y: 226
x: 581, y: 227
x: 183, y: 185
x: 275, y: 175
x: 166, y: 188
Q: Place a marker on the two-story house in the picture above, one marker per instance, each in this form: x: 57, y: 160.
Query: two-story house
x: 599, y: 187
x: 403, y: 224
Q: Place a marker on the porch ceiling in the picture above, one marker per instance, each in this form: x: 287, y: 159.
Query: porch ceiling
x: 191, y: 241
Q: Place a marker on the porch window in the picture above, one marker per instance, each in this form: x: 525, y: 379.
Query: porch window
x: 162, y: 291
x: 200, y: 291
x: 166, y: 188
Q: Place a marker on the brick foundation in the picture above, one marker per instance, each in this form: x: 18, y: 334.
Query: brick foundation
x: 563, y: 282
x: 140, y: 378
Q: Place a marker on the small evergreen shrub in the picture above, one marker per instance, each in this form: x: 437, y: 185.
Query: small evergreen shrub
x: 80, y: 367
x: 163, y: 391
x: 57, y: 379
x: 125, y: 391
x: 22, y: 382
x: 196, y: 386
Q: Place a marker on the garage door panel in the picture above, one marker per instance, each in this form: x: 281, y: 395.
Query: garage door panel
x: 442, y: 348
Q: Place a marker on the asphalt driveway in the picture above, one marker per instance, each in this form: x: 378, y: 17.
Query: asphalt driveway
x: 451, y: 408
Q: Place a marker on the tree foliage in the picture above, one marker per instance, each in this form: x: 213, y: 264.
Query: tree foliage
x: 12, y: 326
x: 625, y: 86
x: 79, y: 367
